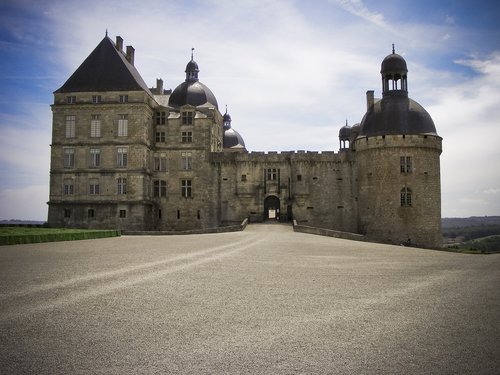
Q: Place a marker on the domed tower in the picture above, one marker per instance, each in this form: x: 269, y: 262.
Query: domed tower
x: 397, y: 153
x: 192, y: 91
x: 232, y: 140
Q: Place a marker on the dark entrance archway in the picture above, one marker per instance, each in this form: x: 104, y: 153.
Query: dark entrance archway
x: 271, y: 208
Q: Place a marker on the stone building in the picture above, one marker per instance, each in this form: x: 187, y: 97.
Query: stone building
x: 127, y: 156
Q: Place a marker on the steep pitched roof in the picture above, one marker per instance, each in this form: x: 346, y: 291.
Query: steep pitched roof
x: 105, y: 69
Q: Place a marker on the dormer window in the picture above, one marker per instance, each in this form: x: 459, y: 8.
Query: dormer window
x: 187, y: 118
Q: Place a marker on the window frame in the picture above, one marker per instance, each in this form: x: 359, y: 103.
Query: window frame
x: 272, y: 174
x: 186, y: 160
x: 122, y: 157
x: 69, y: 157
x: 187, y: 137
x: 95, y: 157
x: 186, y: 188
x: 122, y: 130
x: 121, y: 186
x: 406, y: 164
x: 406, y: 198
x: 95, y: 126
x: 70, y: 126
x: 187, y: 117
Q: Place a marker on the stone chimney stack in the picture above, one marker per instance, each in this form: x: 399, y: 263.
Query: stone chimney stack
x: 159, y: 86
x: 370, y: 100
x: 130, y: 54
x: 119, y: 43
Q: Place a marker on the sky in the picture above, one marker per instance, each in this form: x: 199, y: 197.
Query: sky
x: 290, y: 72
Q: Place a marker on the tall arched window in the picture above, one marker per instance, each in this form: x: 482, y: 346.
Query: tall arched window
x: 405, y: 197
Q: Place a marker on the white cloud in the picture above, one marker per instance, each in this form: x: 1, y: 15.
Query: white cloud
x: 359, y: 9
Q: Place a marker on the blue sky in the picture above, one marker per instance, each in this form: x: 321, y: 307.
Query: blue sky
x: 291, y: 73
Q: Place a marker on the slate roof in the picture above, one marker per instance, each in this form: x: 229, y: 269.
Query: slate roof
x: 105, y: 69
x: 397, y: 114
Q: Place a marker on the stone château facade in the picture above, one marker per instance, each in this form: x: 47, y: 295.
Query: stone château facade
x: 127, y: 156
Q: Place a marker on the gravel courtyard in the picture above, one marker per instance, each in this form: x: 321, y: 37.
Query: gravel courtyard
x: 262, y: 301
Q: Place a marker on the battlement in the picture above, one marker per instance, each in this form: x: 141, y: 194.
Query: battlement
x: 279, y: 157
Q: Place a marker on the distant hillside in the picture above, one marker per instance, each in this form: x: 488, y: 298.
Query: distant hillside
x: 473, y: 221
x: 21, y: 222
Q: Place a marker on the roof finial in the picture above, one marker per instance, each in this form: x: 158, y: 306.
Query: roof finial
x: 192, y: 52
x: 226, y: 108
x: 345, y: 122
x: 393, y: 52
x: 106, y: 32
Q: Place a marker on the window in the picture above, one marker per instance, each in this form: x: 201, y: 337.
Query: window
x: 95, y: 157
x: 272, y: 174
x: 95, y: 126
x: 160, y: 118
x: 187, y: 118
x: 123, y: 213
x: 160, y: 162
x: 94, y: 187
x: 123, y: 98
x: 90, y: 213
x: 243, y: 177
x: 187, y: 137
x: 122, y: 125
x: 405, y: 197
x: 160, y: 137
x: 122, y: 156
x: 186, y: 188
x: 405, y: 164
x: 70, y: 126
x: 68, y: 187
x: 67, y: 212
x: 69, y: 157
x: 122, y: 185
x: 186, y: 161
x: 299, y: 177
x: 71, y: 99
x: 96, y: 99
x: 160, y: 188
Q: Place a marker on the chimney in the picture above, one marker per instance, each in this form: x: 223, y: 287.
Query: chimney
x: 130, y: 54
x: 369, y: 99
x: 119, y: 43
x: 159, y: 86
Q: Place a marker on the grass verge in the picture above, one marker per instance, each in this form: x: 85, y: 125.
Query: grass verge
x: 26, y: 235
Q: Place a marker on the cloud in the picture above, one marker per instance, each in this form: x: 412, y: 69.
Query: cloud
x: 290, y: 73
x: 24, y: 203
x: 359, y: 9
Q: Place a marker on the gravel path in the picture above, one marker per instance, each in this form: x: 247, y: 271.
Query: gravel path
x: 262, y: 301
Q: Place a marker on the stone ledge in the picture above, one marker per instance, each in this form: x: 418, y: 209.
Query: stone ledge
x: 327, y: 232
x: 229, y: 228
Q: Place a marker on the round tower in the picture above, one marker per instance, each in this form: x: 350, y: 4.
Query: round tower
x: 397, y: 154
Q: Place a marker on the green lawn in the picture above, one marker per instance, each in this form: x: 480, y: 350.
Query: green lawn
x: 23, y: 235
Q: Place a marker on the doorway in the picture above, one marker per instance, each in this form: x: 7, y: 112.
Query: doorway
x: 272, y: 208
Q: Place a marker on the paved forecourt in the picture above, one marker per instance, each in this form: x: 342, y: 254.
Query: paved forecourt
x: 265, y: 300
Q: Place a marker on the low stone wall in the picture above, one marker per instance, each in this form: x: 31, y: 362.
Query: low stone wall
x: 327, y: 232
x: 222, y: 229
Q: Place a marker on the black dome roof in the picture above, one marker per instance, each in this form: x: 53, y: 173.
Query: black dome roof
x: 233, y: 139
x: 396, y: 114
x: 193, y: 93
x: 226, y: 118
x: 192, y: 66
x: 345, y: 131
x: 393, y: 63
